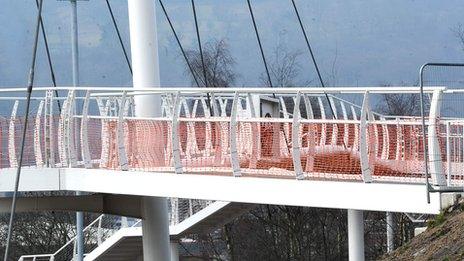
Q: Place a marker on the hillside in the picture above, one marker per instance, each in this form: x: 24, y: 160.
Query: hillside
x: 443, y: 240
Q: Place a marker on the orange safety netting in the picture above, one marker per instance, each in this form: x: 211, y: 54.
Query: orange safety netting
x: 327, y: 150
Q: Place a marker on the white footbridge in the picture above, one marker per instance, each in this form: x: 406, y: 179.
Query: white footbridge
x: 214, y: 152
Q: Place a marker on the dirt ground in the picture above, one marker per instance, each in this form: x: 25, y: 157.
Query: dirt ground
x: 444, y: 240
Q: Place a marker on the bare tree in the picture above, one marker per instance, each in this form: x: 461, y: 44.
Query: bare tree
x: 284, y: 68
x: 458, y: 31
x: 219, y: 65
x: 399, y: 104
x: 40, y: 232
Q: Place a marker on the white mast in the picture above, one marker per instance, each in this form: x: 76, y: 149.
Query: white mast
x: 75, y: 79
x: 144, y: 51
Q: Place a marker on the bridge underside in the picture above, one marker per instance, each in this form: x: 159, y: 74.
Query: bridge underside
x: 307, y: 193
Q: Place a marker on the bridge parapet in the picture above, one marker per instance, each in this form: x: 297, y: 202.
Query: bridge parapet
x: 304, y: 133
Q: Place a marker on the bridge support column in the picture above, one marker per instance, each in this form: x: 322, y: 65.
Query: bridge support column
x: 390, y: 233
x: 355, y: 235
x: 155, y: 229
x: 144, y: 51
x: 174, y: 251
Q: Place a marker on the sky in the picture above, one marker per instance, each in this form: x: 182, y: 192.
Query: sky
x: 356, y: 43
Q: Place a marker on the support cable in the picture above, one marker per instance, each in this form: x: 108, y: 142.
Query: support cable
x: 115, y: 24
x: 260, y: 45
x: 23, y: 141
x: 49, y: 57
x: 184, y: 54
x: 199, y: 43
x: 303, y: 30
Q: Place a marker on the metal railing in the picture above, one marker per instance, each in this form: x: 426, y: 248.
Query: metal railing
x: 231, y: 133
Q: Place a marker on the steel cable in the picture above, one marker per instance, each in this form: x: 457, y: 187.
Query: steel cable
x: 26, y: 117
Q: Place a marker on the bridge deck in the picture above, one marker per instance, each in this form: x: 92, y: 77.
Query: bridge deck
x: 309, y: 193
x: 284, y: 139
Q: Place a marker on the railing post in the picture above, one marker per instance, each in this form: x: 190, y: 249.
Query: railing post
x: 364, y: 143
x: 123, y: 163
x: 285, y: 128
x: 324, y: 125
x: 334, y: 138
x: 175, y: 135
x: 448, y: 153
x: 311, y: 137
x: 208, y: 128
x: 233, y: 137
x: 37, y: 130
x: 85, y: 132
x: 255, y: 135
x: 399, y: 140
x: 356, y: 129
x: 99, y: 231
x: 69, y: 130
x: 11, y: 137
x: 433, y: 142
x: 49, y: 130
x: 103, y: 108
x: 386, y: 140
x: 296, y: 155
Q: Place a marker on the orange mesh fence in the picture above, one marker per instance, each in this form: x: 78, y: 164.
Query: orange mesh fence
x: 327, y: 150
x: 264, y: 147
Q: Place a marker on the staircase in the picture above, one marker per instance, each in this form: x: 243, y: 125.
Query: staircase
x: 118, y: 238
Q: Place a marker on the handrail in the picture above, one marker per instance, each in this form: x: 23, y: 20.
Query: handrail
x: 74, y: 238
x: 305, y: 89
x: 66, y: 244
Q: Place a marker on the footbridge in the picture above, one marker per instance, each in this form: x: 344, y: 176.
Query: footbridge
x: 308, y: 147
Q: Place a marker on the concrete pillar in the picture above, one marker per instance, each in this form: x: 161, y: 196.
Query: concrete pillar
x: 155, y: 229
x: 174, y: 251
x: 390, y: 233
x: 355, y: 235
x: 144, y: 52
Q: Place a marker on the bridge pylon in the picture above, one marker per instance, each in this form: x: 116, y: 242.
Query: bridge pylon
x: 145, y: 64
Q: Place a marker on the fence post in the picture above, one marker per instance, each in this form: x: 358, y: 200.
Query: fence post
x: 234, y: 160
x: 448, y: 152
x: 324, y: 125
x: 433, y: 142
x: 11, y: 137
x: 364, y: 143
x: 37, y: 130
x: 296, y: 139
x: 85, y: 132
x: 175, y: 135
x: 123, y: 163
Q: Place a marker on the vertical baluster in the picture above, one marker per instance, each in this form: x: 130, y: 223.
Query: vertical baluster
x: 37, y: 136
x: 366, y: 166
x: 233, y: 137
x: 296, y: 155
x: 11, y: 137
x: 85, y: 132
x: 123, y: 162
x: 175, y: 135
